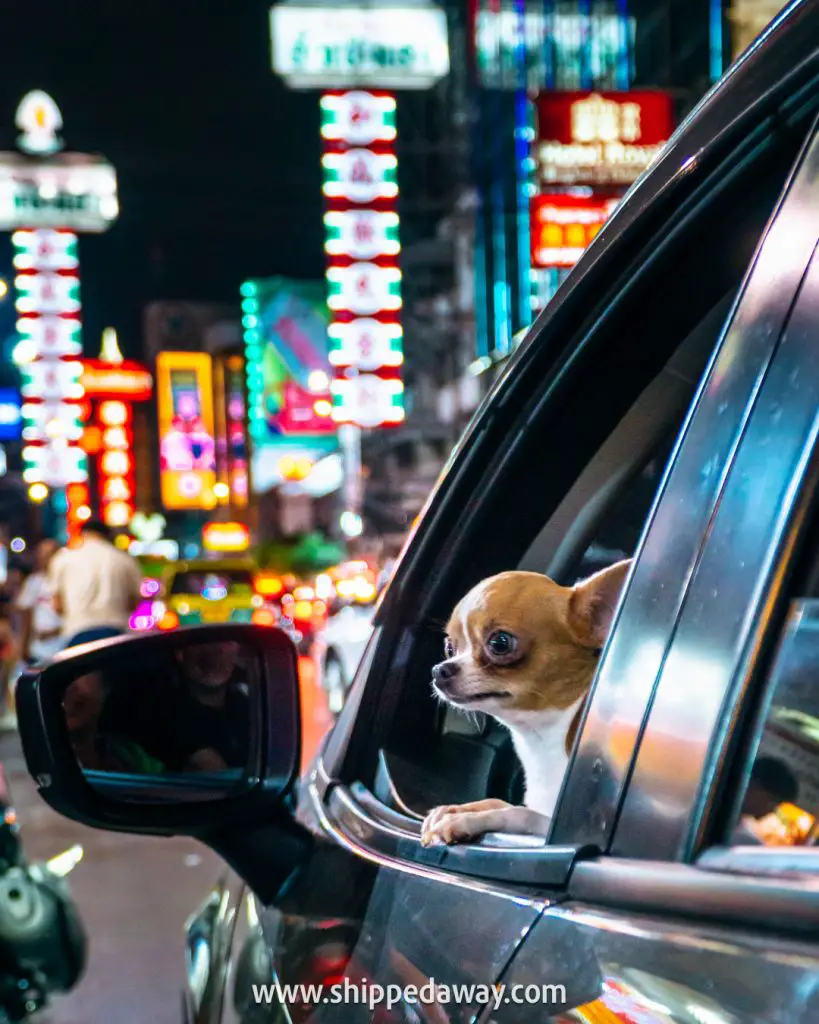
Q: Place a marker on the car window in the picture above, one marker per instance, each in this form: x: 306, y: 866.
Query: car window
x: 571, y: 487
x: 776, y: 795
x: 213, y: 586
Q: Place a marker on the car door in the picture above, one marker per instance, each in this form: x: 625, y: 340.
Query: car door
x: 371, y: 916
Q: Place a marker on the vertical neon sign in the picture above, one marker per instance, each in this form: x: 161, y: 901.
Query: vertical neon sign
x: 362, y: 246
x: 46, y: 196
x: 48, y: 304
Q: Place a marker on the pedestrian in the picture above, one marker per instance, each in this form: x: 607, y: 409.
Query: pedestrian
x: 96, y: 587
x: 9, y: 654
x: 40, y: 625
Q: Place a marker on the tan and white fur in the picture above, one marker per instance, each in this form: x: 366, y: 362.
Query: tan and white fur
x: 523, y: 649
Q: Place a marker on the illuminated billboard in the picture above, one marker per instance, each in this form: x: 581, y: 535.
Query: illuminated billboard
x: 112, y: 384
x: 363, y: 244
x: 46, y: 196
x: 562, y: 226
x: 288, y: 374
x: 231, y: 432
x: 187, y: 446
x: 390, y: 45
x: 601, y: 138
x: 11, y: 415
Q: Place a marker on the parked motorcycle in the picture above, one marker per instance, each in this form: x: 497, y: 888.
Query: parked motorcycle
x: 43, y: 946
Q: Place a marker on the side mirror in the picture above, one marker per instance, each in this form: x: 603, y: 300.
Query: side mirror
x: 166, y: 733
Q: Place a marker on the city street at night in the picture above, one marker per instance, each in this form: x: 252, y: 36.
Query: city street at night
x: 409, y: 512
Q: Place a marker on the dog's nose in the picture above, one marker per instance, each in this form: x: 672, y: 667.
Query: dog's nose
x: 445, y: 672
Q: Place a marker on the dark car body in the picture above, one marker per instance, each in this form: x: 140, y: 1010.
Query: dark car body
x: 665, y: 405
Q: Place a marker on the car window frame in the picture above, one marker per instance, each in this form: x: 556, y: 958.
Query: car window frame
x: 545, y: 365
x: 384, y: 659
x: 354, y: 817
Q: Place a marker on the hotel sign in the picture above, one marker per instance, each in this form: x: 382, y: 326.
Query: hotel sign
x: 344, y: 45
x: 600, y: 138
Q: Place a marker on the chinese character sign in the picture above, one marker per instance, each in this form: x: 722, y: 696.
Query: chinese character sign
x: 605, y: 138
x: 48, y: 304
x: 362, y: 244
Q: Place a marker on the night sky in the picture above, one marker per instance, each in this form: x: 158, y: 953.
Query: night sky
x: 218, y: 163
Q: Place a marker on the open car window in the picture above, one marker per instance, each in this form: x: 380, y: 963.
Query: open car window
x: 572, y: 485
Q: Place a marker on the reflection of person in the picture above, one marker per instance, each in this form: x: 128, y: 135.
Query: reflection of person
x: 9, y: 656
x: 96, y: 587
x: 772, y: 783
x: 193, y: 714
x: 207, y: 670
x: 41, y: 626
x: 96, y: 750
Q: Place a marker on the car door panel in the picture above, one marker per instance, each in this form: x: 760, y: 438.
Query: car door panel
x: 398, y: 928
x: 653, y: 969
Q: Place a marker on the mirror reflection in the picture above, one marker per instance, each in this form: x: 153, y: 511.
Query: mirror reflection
x: 164, y: 712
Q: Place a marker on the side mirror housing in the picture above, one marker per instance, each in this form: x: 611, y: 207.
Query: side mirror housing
x: 184, y: 732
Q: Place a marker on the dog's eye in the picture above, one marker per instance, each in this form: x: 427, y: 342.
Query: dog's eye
x: 449, y: 648
x: 501, y: 644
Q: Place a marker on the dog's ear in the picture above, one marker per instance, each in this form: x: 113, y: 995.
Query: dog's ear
x: 592, y: 604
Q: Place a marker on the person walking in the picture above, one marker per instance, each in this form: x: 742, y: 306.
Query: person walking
x: 96, y: 587
x: 40, y: 625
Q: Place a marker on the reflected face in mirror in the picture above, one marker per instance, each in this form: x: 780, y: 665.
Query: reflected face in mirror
x: 162, y: 712
x: 208, y: 669
x: 83, y: 703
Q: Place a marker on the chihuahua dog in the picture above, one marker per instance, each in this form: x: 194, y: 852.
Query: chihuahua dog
x: 523, y: 649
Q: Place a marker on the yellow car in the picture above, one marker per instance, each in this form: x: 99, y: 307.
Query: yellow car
x: 213, y: 591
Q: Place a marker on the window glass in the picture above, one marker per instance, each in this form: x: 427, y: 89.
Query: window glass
x: 780, y: 787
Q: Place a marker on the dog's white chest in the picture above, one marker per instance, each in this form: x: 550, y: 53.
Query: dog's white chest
x: 540, y: 743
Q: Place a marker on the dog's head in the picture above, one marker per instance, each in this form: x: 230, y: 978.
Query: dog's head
x: 520, y: 642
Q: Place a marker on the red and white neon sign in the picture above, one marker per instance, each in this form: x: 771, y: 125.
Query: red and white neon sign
x: 562, y: 226
x: 48, y: 301
x: 362, y: 245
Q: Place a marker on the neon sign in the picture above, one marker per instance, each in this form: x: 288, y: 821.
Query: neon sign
x: 562, y: 227
x: 389, y: 45
x: 128, y: 380
x: 49, y: 303
x: 187, y: 453
x: 600, y: 138
x: 225, y: 537
x: 362, y: 244
x: 45, y: 197
x: 39, y: 119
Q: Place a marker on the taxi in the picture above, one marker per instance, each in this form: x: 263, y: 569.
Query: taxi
x: 208, y: 591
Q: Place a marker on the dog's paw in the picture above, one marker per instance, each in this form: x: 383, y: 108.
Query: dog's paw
x: 450, y: 827
x: 430, y: 834
x: 455, y: 823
